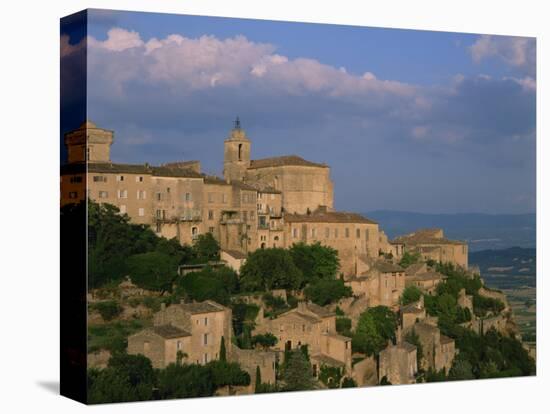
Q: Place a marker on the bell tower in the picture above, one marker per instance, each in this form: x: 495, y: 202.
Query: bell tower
x: 89, y: 143
x: 236, y: 159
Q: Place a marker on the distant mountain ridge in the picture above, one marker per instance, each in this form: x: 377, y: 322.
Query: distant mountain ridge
x: 481, y: 231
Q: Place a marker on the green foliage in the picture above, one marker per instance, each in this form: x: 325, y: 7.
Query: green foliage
x: 185, y: 381
x: 126, y: 378
x: 316, y: 262
x: 375, y: 328
x: 153, y: 270
x: 349, y: 383
x: 410, y: 294
x: 228, y: 373
x: 107, y: 309
x: 330, y: 376
x: 483, y: 305
x: 112, y: 336
x: 206, y: 248
x: 409, y: 259
x: 297, y: 373
x: 223, y: 351
x: 461, y: 370
x: 327, y: 291
x: 413, y: 339
x: 267, y: 269
x: 435, y: 376
x: 343, y: 326
x: 215, y: 284
x: 266, y: 340
x: 258, y: 382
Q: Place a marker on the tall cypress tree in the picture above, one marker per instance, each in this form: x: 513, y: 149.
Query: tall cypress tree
x: 223, y: 352
x: 258, y: 383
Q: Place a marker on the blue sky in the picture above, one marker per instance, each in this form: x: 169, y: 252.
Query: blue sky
x: 408, y: 120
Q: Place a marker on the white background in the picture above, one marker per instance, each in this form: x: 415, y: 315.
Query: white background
x: 29, y: 266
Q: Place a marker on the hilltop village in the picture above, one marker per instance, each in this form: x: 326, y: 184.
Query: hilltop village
x: 255, y: 279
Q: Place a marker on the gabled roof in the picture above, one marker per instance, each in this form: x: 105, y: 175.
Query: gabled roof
x: 207, y: 306
x: 322, y: 216
x: 282, y: 161
x: 425, y: 236
x: 387, y: 267
x: 426, y: 276
x: 169, y: 331
x: 235, y: 254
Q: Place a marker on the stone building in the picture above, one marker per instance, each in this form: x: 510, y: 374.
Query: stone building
x: 412, y: 314
x: 438, y: 350
x: 195, y: 329
x: 251, y: 359
x: 314, y: 326
x: 432, y: 244
x: 398, y: 363
x: 383, y: 284
x: 425, y: 281
x: 271, y: 202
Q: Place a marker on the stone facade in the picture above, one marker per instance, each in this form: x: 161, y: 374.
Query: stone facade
x: 195, y: 329
x: 310, y: 325
x: 398, y: 364
x: 438, y: 349
x: 271, y: 202
x: 432, y: 245
x: 383, y: 284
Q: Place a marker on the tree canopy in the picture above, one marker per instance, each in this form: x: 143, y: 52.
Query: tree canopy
x: 410, y: 294
x: 325, y: 291
x: 153, y: 270
x: 315, y: 261
x: 267, y: 269
x: 375, y: 328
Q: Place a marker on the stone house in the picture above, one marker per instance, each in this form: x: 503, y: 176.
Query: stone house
x: 233, y: 259
x: 382, y: 285
x: 195, y: 329
x: 398, y: 363
x: 438, y: 350
x: 412, y: 313
x: 425, y: 281
x: 431, y: 244
x: 310, y: 325
x: 251, y: 359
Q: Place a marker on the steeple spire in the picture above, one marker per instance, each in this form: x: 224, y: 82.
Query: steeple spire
x: 237, y: 123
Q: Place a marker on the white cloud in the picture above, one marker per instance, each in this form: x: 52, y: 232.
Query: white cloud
x: 118, y: 40
x: 68, y: 48
x: 519, y: 52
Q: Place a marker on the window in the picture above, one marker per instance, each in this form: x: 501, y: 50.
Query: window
x: 335, y: 233
x: 347, y: 232
x: 103, y: 194
x: 168, y: 190
x: 210, y: 214
x: 73, y: 194
x: 210, y: 229
x: 313, y: 232
x: 205, y: 339
x: 158, y: 196
x: 210, y: 197
x: 251, y: 214
x: 100, y: 179
x: 205, y: 358
x: 367, y: 234
x: 120, y: 178
x: 180, y: 345
x: 358, y: 233
x: 122, y: 209
x: 188, y: 197
x: 139, y: 179
x: 122, y: 193
x: 76, y: 179
x: 141, y: 212
x: 158, y: 227
x: 205, y: 321
x: 160, y: 214
x: 224, y: 198
x: 88, y: 153
x: 146, y: 346
x: 245, y: 216
x: 240, y: 151
x: 327, y: 232
x: 141, y: 195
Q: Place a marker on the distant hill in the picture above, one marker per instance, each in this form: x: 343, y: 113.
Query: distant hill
x: 481, y: 231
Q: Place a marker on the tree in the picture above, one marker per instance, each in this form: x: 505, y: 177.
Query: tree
x: 185, y: 381
x: 410, y: 294
x: 228, y: 374
x: 343, y: 326
x: 297, y: 372
x: 327, y: 291
x: 266, y: 340
x: 153, y: 270
x: 126, y: 378
x: 316, y: 262
x: 409, y: 259
x: 375, y: 328
x: 461, y: 370
x: 206, y: 248
x: 223, y: 352
x: 258, y: 383
x: 267, y: 269
x: 208, y: 284
x: 330, y: 376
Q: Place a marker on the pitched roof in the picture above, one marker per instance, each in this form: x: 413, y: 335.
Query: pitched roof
x: 282, y: 161
x: 319, y: 310
x: 407, y: 346
x: 327, y: 360
x: 425, y: 236
x: 321, y: 216
x: 426, y: 276
x: 169, y: 331
x: 413, y: 307
x: 387, y: 267
x: 235, y: 253
x: 444, y: 339
x: 207, y: 306
x: 414, y: 268
x: 113, y: 168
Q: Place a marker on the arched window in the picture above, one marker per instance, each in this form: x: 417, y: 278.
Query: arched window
x: 240, y: 151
